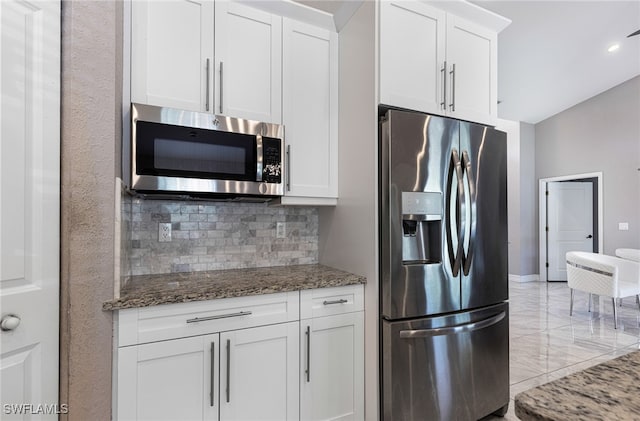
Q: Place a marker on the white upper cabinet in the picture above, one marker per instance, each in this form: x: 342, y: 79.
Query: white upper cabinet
x: 435, y: 61
x: 248, y: 68
x: 310, y: 113
x: 472, y: 49
x: 172, y: 53
x: 412, y: 49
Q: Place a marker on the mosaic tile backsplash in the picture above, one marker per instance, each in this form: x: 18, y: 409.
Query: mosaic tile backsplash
x: 218, y: 235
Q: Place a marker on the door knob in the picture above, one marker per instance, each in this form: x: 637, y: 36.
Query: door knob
x: 589, y: 236
x: 9, y: 322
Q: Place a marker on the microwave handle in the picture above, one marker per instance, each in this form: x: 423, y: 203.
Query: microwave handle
x: 207, y: 87
x: 288, y: 167
x: 221, y: 86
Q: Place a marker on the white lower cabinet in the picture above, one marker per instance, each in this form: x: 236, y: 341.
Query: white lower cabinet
x: 241, y: 358
x: 169, y: 380
x: 332, y: 368
x: 259, y: 373
x: 332, y: 353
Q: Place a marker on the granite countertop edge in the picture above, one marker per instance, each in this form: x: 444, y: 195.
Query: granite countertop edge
x: 151, y: 290
x: 604, y: 391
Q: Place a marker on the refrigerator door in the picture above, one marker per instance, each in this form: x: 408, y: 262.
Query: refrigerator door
x: 415, y: 159
x: 453, y: 367
x: 484, y: 271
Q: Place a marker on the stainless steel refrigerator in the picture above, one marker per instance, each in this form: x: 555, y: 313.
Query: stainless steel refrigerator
x: 443, y: 269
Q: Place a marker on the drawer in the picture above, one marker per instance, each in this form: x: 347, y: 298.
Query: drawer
x: 171, y: 321
x: 330, y: 301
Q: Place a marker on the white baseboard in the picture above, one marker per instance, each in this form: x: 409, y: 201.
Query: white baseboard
x: 524, y: 278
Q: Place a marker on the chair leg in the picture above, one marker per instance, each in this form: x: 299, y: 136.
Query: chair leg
x: 571, y: 303
x: 615, y: 314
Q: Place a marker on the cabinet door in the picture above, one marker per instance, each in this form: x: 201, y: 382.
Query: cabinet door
x: 332, y: 368
x: 310, y: 109
x: 259, y: 373
x: 472, y: 49
x: 248, y: 45
x: 169, y: 380
x: 412, y: 48
x: 171, y: 44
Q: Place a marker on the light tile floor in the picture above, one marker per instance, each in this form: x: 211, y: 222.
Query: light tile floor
x: 546, y: 344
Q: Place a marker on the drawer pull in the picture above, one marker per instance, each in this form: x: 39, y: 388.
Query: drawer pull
x: 340, y: 301
x: 221, y: 316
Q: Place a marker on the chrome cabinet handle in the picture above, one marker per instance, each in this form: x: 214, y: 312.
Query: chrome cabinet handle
x: 207, y: 88
x: 443, y: 71
x: 453, y: 87
x: 467, y: 169
x: 288, y: 167
x: 221, y: 316
x: 308, y: 370
x: 221, y: 87
x: 213, y: 370
x: 340, y: 301
x: 9, y: 322
x: 450, y: 330
x: 228, y: 370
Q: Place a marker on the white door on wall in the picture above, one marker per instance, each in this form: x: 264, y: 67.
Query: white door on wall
x: 29, y: 208
x: 569, y: 222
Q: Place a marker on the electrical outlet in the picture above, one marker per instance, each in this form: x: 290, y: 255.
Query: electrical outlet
x: 164, y: 232
x: 281, y: 230
x: 623, y: 226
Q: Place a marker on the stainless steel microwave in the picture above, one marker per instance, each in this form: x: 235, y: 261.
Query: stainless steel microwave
x: 179, y: 152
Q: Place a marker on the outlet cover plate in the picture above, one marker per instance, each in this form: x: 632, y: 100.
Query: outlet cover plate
x: 164, y: 232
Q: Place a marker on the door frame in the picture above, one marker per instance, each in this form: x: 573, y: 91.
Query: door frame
x: 542, y: 215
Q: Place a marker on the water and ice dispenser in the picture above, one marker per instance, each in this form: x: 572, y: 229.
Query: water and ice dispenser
x: 421, y: 227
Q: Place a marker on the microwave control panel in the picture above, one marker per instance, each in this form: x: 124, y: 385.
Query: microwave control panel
x: 271, y: 160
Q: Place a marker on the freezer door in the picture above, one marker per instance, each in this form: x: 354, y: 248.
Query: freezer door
x: 415, y: 156
x: 446, y: 368
x: 484, y: 266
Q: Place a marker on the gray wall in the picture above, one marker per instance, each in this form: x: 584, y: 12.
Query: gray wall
x: 521, y: 194
x: 600, y: 134
x: 348, y: 234
x: 528, y: 195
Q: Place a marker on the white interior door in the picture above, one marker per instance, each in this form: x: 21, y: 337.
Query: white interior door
x: 29, y: 207
x: 569, y: 222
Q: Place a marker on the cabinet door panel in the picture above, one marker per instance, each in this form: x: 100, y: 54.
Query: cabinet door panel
x: 249, y: 46
x: 412, y: 46
x: 334, y: 388
x: 169, y: 380
x: 170, y: 43
x: 259, y: 373
x: 472, y: 49
x: 310, y: 99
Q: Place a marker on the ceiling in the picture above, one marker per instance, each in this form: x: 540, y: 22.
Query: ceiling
x: 554, y: 53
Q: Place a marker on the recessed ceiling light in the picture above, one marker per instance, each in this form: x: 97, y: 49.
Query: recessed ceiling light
x: 613, y: 48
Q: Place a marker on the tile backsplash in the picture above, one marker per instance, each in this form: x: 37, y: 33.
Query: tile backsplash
x: 217, y: 235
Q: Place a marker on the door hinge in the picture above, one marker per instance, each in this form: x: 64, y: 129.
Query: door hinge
x: 546, y: 229
x: 547, y: 264
x: 546, y: 193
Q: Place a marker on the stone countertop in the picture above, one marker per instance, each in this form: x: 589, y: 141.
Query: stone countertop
x: 607, y: 391
x: 149, y: 290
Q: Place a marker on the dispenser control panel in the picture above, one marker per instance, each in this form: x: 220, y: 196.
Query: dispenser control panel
x: 421, y: 203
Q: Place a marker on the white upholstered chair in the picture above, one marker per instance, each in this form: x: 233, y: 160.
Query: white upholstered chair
x: 629, y: 254
x: 603, y: 275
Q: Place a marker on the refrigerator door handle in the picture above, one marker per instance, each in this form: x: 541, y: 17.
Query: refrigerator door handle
x: 471, y: 221
x: 455, y: 258
x: 452, y: 330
